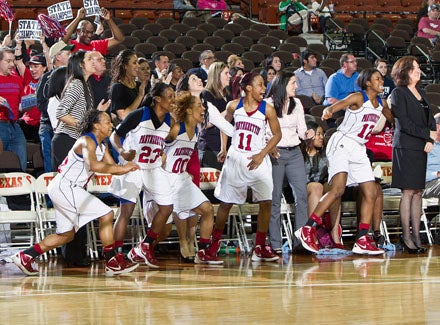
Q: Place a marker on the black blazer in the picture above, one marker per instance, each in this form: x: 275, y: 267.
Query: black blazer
x: 412, y: 124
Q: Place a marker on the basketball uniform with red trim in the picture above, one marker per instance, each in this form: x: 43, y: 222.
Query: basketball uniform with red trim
x: 248, y: 139
x: 74, y: 206
x: 346, y: 151
x: 144, y: 133
x: 186, y: 195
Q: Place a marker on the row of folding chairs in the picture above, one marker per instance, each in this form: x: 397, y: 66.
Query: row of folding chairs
x: 37, y: 217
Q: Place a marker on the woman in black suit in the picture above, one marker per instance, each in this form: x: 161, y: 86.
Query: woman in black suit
x: 413, y: 139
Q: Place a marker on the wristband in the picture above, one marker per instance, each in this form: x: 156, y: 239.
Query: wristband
x: 19, y: 57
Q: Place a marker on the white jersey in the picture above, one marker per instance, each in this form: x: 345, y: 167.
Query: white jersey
x: 358, y: 124
x: 74, y: 169
x: 179, y: 151
x: 140, y: 134
x: 249, y: 128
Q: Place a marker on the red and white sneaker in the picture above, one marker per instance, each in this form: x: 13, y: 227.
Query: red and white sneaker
x: 119, y: 265
x: 25, y: 262
x: 146, y: 252
x: 134, y: 257
x: 367, y: 246
x: 263, y: 254
x: 204, y: 257
x: 307, y: 236
x: 214, y: 248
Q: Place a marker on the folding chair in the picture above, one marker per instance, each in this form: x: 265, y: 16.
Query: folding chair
x: 46, y: 215
x: 13, y: 184
x: 99, y: 184
x: 236, y: 229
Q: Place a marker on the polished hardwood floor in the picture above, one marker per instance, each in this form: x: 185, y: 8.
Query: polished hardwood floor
x: 396, y: 288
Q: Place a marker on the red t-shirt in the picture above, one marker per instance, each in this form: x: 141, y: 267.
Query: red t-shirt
x: 11, y: 88
x: 98, y: 45
x: 31, y: 117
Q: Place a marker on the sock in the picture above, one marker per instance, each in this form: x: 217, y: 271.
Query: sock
x: 217, y: 235
x: 363, y: 230
x: 260, y: 238
x: 376, y: 233
x: 34, y: 251
x: 314, y: 220
x: 151, y: 237
x: 118, y: 245
x: 203, y: 243
x: 109, y: 251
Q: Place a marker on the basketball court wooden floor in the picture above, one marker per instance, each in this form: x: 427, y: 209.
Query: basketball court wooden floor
x: 300, y: 289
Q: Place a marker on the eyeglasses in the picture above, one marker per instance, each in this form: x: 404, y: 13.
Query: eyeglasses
x: 210, y: 58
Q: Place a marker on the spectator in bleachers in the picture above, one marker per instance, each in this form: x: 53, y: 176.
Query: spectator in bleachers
x: 310, y: 79
x: 274, y: 62
x: 174, y: 73
x: 321, y: 11
x: 11, y: 91
x: 206, y: 59
x: 295, y: 13
x: 31, y: 74
x: 85, y: 30
x: 216, y: 95
x: 429, y: 27
x: 432, y: 188
x: 215, y: 7
x: 125, y: 93
x: 235, y: 61
x: 343, y: 82
x: 144, y: 73
x: 423, y: 12
x: 290, y: 162
x: 161, y: 63
x: 268, y: 73
x: 183, y: 5
x: 100, y: 80
x: 413, y: 139
x: 59, y: 53
x: 388, y: 83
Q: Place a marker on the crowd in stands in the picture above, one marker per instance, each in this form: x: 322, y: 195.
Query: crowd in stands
x: 276, y: 135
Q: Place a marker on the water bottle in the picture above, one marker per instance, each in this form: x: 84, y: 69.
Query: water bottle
x: 229, y: 250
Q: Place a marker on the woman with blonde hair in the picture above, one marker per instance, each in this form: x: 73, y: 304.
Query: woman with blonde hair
x: 235, y: 61
x: 216, y: 95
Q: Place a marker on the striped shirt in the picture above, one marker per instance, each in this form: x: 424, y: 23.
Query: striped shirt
x: 74, y: 103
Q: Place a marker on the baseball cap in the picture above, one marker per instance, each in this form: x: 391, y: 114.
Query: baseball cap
x: 38, y: 59
x: 434, y: 6
x: 58, y: 47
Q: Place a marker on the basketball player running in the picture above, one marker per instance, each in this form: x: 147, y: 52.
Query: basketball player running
x: 348, y: 161
x: 187, y: 196
x: 145, y: 130
x: 74, y: 206
x: 247, y: 163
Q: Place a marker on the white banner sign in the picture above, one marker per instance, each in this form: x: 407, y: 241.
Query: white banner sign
x: 29, y: 29
x: 92, y: 8
x: 60, y: 11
